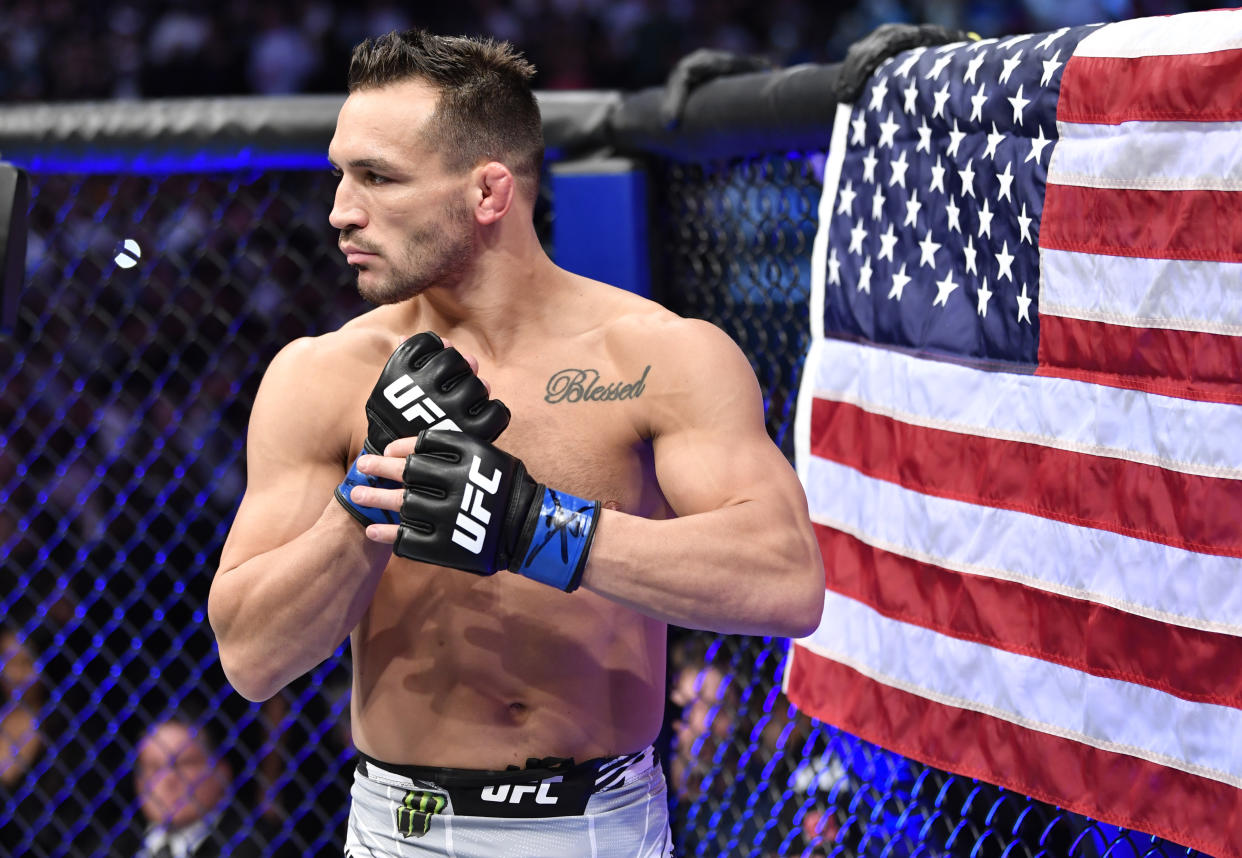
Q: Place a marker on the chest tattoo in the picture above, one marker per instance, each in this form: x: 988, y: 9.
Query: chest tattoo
x: 584, y: 385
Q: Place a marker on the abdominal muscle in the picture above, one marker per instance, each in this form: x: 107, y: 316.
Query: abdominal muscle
x: 457, y: 670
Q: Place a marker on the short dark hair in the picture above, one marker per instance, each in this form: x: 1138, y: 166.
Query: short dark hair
x: 486, y: 110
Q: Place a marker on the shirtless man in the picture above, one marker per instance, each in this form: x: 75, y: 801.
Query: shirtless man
x: 498, y: 714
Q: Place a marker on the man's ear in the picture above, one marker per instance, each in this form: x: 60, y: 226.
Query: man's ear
x: 496, y: 189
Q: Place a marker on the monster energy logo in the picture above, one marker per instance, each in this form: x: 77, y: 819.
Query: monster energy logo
x: 417, y: 808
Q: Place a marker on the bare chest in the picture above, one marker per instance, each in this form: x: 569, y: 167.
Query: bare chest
x: 579, y: 426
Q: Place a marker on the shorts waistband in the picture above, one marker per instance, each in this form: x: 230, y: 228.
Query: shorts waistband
x: 546, y: 787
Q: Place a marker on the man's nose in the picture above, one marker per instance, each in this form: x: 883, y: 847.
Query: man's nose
x: 347, y: 212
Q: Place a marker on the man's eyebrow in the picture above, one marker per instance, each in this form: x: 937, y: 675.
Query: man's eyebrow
x: 365, y: 164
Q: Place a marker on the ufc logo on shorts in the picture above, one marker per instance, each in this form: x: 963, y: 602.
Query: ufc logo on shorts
x: 502, y: 793
x: 402, y: 392
x: 472, y: 521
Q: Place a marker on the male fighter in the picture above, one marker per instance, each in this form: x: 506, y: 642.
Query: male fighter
x: 509, y: 654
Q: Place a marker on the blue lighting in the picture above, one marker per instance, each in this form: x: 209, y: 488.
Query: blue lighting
x: 165, y: 163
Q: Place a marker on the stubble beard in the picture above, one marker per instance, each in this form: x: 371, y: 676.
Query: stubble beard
x: 436, y: 255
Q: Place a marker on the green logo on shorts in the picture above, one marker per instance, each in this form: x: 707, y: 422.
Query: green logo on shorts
x: 417, y: 808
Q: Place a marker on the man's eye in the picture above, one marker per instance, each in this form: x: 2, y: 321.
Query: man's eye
x: 337, y: 173
x: 376, y: 179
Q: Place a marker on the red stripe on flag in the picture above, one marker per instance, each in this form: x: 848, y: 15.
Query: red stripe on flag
x: 1104, y: 641
x: 1183, y: 510
x: 1195, y: 811
x: 1201, y: 225
x: 1185, y: 364
x: 1203, y: 87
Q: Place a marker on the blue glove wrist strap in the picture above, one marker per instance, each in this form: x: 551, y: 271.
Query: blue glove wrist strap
x: 365, y: 514
x: 557, y: 551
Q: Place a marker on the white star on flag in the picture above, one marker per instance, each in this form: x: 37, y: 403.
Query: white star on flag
x: 1037, y: 147
x: 977, y: 101
x: 878, y: 92
x: 994, y: 140
x: 985, y: 220
x: 1019, y: 104
x: 857, y: 234
x: 984, y: 297
x: 1010, y: 65
x: 899, y: 170
x: 1006, y: 184
x: 912, y: 209
x: 900, y: 279
x: 869, y: 162
x: 1004, y: 261
x: 944, y: 288
x: 845, y: 201
x: 1024, y: 306
x: 967, y: 175
x: 864, y: 276
x: 927, y: 251
x: 887, y: 129
x: 887, y: 241
x: 911, y: 93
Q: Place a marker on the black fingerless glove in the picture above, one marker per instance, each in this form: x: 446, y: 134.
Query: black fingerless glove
x: 423, y: 386
x: 471, y: 506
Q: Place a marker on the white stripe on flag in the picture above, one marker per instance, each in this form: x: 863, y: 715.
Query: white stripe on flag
x: 1033, y: 693
x: 1178, y: 294
x: 1197, y: 33
x: 1148, y: 579
x: 1184, y: 435
x: 1165, y: 156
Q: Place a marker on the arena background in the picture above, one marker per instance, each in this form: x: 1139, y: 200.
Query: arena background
x: 126, y: 385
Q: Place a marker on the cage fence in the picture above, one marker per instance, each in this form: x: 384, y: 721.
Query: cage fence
x: 126, y: 388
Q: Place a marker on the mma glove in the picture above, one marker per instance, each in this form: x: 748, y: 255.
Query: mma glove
x: 424, y: 385
x: 887, y: 40
x: 471, y: 506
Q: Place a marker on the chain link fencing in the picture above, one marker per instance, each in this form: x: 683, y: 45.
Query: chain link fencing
x: 126, y: 388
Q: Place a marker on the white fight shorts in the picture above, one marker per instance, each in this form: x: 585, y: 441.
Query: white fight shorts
x: 612, y: 807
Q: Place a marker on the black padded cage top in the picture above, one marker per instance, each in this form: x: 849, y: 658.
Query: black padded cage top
x: 127, y: 381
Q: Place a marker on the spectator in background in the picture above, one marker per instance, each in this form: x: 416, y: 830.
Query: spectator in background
x: 186, y: 792
x: 728, y: 775
x: 32, y: 787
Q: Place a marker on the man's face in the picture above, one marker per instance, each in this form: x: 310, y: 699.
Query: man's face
x: 177, y: 781
x: 404, y: 220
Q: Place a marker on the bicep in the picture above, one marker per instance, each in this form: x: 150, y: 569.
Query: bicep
x: 711, y: 444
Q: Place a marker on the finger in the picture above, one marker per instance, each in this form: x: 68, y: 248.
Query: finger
x: 377, y: 498
x: 386, y: 533
x: 470, y: 359
x: 398, y: 449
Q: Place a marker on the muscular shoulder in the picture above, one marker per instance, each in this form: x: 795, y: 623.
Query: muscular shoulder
x: 314, y: 389
x: 692, y: 369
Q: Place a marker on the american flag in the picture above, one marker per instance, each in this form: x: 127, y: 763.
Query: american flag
x: 1020, y: 425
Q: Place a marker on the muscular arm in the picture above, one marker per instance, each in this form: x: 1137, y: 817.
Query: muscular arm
x: 741, y: 557
x: 296, y: 574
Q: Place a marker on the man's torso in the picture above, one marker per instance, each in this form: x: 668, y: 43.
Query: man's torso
x: 452, y: 669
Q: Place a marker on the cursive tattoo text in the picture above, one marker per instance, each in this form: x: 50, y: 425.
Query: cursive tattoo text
x: 582, y: 385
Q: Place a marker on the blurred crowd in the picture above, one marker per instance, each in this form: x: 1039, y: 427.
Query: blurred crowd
x: 56, y: 50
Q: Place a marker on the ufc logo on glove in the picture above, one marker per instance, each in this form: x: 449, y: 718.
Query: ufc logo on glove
x: 402, y: 391
x: 473, y: 520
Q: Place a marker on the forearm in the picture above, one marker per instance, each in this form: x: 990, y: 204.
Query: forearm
x: 280, y: 613
x: 733, y: 570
